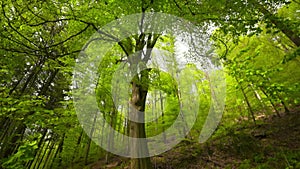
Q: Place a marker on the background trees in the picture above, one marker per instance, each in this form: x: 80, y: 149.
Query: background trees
x: 258, y: 42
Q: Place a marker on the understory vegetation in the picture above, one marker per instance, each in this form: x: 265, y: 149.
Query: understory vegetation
x: 252, y: 46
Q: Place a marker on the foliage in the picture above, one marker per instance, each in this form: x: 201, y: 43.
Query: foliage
x: 256, y: 41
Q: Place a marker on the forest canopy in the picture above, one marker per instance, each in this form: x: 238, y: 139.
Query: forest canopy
x: 253, y: 45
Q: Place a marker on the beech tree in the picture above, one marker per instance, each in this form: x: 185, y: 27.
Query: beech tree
x: 40, y: 41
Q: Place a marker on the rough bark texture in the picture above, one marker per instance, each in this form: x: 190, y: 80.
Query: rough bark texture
x: 140, y: 80
x: 137, y: 130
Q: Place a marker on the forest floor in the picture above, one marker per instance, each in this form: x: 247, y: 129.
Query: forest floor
x: 272, y: 143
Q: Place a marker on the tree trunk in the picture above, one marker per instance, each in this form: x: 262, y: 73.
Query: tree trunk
x: 286, y: 29
x: 39, y: 147
x: 137, y: 129
x: 139, y: 93
x: 59, y: 150
x: 162, y: 116
x: 44, y: 152
x: 247, y: 101
x: 46, y: 161
x: 12, y: 144
x: 270, y: 100
x: 90, y: 140
x: 77, y: 146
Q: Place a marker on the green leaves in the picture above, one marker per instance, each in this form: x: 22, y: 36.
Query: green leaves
x: 24, y: 154
x: 40, y: 42
x: 291, y: 55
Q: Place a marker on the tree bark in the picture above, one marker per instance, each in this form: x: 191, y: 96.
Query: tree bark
x: 270, y: 100
x: 139, y: 93
x: 90, y: 139
x: 293, y: 36
x: 162, y: 116
x: 46, y: 161
x: 36, y: 154
x: 137, y: 129
x: 247, y: 101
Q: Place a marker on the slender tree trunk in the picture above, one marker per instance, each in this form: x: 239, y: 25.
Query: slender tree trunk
x: 46, y: 161
x: 39, y: 147
x: 37, y: 156
x: 270, y: 100
x: 13, y: 143
x: 110, y: 141
x: 247, y: 101
x: 60, y: 149
x: 248, y: 104
x: 77, y: 145
x: 258, y: 97
x: 162, y: 116
x: 54, y: 156
x: 120, y: 125
x: 184, y: 126
x: 42, y: 161
x: 7, y: 127
x: 127, y: 126
x: 286, y: 109
x: 90, y: 139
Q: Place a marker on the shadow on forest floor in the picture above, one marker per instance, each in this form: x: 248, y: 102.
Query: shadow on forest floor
x: 272, y: 143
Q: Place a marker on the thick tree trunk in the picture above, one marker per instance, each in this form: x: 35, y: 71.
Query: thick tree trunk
x: 137, y: 129
x: 139, y: 93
